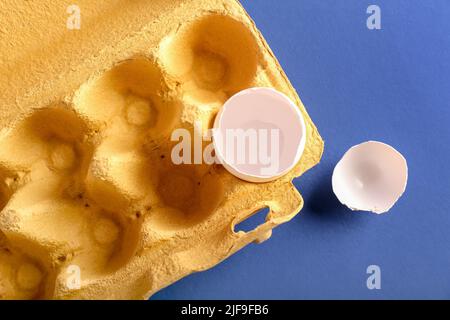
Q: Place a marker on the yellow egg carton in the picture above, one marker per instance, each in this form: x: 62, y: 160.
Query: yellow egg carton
x: 92, y: 205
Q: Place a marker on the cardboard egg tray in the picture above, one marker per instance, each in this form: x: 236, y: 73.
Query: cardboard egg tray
x: 92, y: 205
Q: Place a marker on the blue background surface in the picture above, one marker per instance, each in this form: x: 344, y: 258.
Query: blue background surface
x: 391, y: 85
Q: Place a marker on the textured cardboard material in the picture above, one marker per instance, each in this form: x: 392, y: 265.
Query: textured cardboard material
x: 87, y: 186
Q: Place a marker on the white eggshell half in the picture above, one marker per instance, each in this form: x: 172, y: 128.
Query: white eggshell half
x: 255, y: 109
x: 370, y: 177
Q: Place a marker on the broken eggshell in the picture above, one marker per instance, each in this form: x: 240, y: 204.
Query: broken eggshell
x: 260, y: 109
x: 370, y: 177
